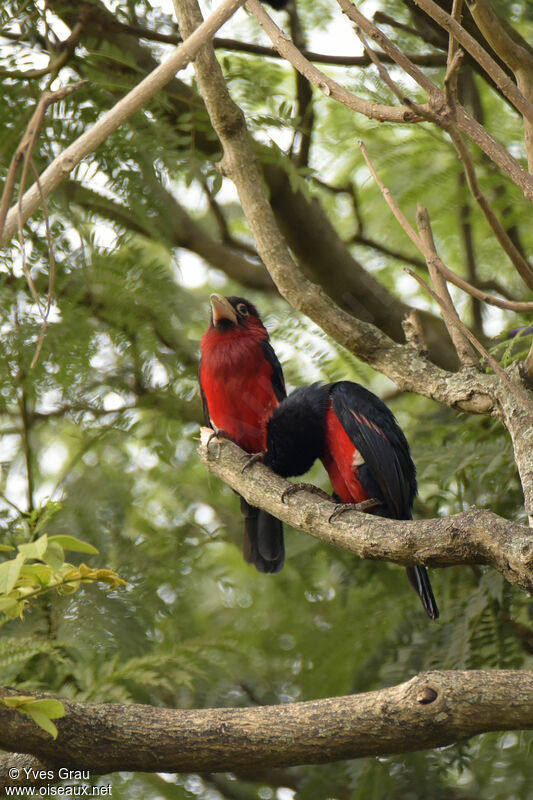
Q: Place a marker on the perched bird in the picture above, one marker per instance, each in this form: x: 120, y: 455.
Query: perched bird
x: 241, y: 383
x: 362, y: 448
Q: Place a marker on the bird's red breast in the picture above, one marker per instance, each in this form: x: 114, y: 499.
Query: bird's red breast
x: 236, y: 379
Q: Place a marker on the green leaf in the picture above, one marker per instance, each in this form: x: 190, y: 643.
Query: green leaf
x: 9, y: 606
x: 42, y: 721
x: 71, y: 543
x: 54, y: 709
x: 17, y: 701
x: 41, y: 573
x: 54, y: 555
x: 35, y: 549
x: 9, y: 573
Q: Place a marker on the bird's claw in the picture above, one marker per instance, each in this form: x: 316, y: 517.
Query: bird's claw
x: 304, y: 487
x: 341, y: 508
x: 218, y: 435
x: 253, y: 459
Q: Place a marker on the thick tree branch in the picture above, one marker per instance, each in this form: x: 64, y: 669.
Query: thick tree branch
x: 475, y: 536
x: 433, y: 709
x: 399, y: 362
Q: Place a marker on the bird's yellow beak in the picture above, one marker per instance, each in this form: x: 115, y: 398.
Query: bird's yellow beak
x: 221, y: 308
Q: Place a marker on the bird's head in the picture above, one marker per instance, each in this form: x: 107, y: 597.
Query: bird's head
x: 233, y: 314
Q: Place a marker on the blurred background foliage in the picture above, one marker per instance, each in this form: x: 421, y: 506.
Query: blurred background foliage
x: 107, y: 422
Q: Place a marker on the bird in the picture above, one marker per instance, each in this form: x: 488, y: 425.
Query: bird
x: 241, y: 383
x: 363, y: 449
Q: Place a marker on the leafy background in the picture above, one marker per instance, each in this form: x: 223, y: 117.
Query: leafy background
x: 106, y: 427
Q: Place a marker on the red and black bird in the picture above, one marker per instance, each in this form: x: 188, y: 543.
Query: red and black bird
x: 241, y: 382
x: 362, y: 448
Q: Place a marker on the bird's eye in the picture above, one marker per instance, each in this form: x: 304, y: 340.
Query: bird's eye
x: 242, y: 309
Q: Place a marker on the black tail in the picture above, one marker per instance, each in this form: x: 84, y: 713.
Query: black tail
x: 263, y: 539
x: 419, y: 580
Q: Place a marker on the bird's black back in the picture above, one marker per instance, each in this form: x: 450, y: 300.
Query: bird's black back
x: 296, y: 431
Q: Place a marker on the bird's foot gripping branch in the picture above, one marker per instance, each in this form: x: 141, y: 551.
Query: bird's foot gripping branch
x: 475, y: 536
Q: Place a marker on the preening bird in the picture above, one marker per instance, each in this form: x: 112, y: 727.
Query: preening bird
x: 241, y: 383
x: 362, y: 448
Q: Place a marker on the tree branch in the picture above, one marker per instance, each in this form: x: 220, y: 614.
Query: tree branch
x: 436, y: 110
x: 513, y: 305
x: 433, y: 709
x: 422, y: 59
x: 466, y: 353
x: 475, y: 536
x: 178, y: 228
x: 327, y: 85
x: 63, y: 165
x: 504, y: 83
x: 516, y: 257
x: 514, y: 51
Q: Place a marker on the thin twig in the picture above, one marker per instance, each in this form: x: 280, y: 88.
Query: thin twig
x: 28, y: 141
x: 448, y: 274
x: 222, y: 43
x: 54, y: 65
x: 467, y: 42
x: 451, y: 77
x: 51, y: 274
x: 414, y: 333
x: 466, y: 354
x: 491, y: 361
x: 453, y: 61
x: 517, y: 259
x: 327, y: 85
x: 385, y: 19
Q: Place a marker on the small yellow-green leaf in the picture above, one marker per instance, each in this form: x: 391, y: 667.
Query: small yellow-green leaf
x: 52, y: 708
x: 54, y: 555
x: 76, y: 545
x: 40, y: 573
x: 35, y: 549
x: 9, y: 573
x: 5, y: 547
x: 9, y: 606
x: 17, y: 700
x: 42, y: 721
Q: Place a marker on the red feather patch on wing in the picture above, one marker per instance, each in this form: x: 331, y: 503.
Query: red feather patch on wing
x: 341, y: 460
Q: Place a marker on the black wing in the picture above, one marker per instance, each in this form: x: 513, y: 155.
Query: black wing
x: 374, y: 431
x: 278, y: 381
x: 207, y: 418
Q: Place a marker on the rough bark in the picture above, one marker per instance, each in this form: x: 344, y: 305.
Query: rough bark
x: 475, y: 536
x: 433, y: 709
